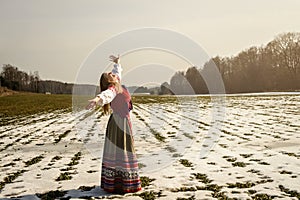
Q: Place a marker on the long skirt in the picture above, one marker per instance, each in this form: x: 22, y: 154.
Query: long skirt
x: 119, y: 164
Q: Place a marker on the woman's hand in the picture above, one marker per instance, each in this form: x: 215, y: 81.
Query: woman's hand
x: 115, y: 59
x: 93, y: 102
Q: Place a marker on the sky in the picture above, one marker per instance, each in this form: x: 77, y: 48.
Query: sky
x: 57, y: 37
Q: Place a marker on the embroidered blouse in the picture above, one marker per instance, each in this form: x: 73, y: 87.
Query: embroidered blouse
x: 120, y: 102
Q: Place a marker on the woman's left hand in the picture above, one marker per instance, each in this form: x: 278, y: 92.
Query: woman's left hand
x: 115, y: 59
x: 92, y: 103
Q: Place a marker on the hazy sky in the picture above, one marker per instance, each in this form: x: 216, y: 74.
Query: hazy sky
x: 55, y: 37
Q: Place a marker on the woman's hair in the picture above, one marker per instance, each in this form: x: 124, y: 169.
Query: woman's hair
x: 104, y: 85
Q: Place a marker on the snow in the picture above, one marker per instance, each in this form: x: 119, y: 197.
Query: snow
x: 259, y: 131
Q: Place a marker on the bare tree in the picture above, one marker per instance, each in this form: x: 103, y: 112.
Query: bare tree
x: 286, y: 47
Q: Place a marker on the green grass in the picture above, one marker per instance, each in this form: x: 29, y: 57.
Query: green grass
x: 33, y: 160
x: 64, y: 176
x: 202, y: 178
x: 186, y: 163
x: 146, y: 180
x: 51, y: 195
x: 10, y: 178
x: 24, y: 104
x: 20, y: 106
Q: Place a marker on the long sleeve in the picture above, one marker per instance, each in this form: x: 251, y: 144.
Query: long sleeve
x: 117, y: 70
x: 107, y: 95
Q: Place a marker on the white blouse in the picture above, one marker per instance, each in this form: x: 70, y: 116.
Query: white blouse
x: 108, y: 95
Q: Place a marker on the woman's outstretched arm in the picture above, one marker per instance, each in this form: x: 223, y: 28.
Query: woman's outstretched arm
x: 117, y: 70
x: 93, y: 102
x: 104, y: 97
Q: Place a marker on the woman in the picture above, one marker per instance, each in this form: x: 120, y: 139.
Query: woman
x: 119, y: 164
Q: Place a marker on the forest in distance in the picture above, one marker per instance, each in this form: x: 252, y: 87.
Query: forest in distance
x: 271, y: 67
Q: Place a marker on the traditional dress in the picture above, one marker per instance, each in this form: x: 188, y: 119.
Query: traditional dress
x: 119, y: 164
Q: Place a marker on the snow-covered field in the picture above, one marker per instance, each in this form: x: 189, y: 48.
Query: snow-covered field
x: 188, y: 148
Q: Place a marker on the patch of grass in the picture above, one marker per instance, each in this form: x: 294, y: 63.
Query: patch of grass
x: 170, y: 149
x: 255, y: 160
x: 62, y: 136
x: 158, y: 136
x: 184, y: 189
x: 290, y: 154
x: 263, y: 163
x: 33, y: 160
x: 64, y: 176
x: 25, y: 104
x: 285, y: 172
x: 67, y: 169
x: 239, y: 164
x: 241, y: 185
x: 265, y: 180
x: 221, y: 196
x: 51, y: 195
x: 149, y: 195
x: 91, y: 171
x: 86, y: 188
x: 211, y: 163
x: 263, y: 197
x: 152, y: 99
x: 202, y: 178
x: 292, y: 193
x: 210, y: 187
x: 9, y: 164
x: 74, y: 160
x: 186, y: 163
x: 246, y: 155
x: 188, y: 198
x: 46, y: 168
x: 141, y: 165
x: 170, y: 177
x: 171, y: 133
x: 146, y: 180
x: 10, y: 178
x: 251, y: 192
x: 55, y: 158
x: 231, y: 159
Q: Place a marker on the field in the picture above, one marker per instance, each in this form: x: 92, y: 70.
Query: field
x: 187, y: 146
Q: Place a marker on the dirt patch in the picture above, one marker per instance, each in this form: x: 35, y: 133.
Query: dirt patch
x: 4, y: 91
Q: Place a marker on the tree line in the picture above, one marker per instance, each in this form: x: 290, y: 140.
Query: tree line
x: 273, y: 67
x: 15, y: 79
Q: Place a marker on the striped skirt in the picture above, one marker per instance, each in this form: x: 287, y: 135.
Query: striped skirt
x: 119, y: 164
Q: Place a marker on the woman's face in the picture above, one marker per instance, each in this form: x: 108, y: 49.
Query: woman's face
x: 112, y: 78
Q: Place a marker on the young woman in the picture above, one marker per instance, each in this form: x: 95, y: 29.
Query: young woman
x: 119, y: 164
